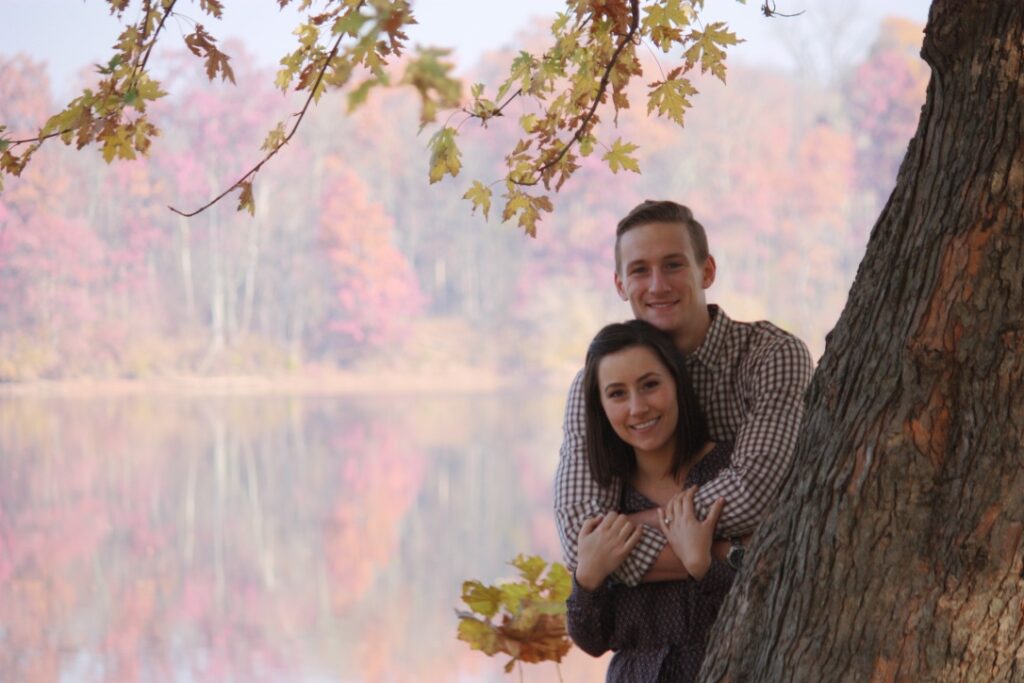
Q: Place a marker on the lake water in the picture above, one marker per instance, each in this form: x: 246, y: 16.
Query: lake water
x: 266, y: 539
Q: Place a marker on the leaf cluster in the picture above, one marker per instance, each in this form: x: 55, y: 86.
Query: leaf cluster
x: 581, y: 79
x: 524, y: 619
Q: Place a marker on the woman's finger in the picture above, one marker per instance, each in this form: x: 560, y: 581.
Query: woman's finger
x: 715, y: 512
x: 661, y: 521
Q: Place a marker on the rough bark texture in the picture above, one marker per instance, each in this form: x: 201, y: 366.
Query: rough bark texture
x: 895, y: 553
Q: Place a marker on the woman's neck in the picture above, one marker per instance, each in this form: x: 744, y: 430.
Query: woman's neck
x: 653, y: 467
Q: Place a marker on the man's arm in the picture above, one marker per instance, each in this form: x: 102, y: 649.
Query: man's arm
x: 578, y: 497
x: 762, y: 453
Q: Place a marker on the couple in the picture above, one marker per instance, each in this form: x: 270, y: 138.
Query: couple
x: 652, y: 498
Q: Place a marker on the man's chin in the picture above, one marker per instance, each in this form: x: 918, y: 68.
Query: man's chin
x: 667, y: 323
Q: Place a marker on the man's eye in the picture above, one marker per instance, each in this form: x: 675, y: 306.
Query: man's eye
x: 638, y: 271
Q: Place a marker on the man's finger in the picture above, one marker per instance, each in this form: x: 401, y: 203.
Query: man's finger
x: 634, y: 538
x: 589, y: 525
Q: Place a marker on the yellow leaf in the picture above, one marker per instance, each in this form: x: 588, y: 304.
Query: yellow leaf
x: 706, y: 48
x: 480, y: 195
x: 481, y: 599
x: 618, y: 157
x: 671, y: 98
x: 445, y: 158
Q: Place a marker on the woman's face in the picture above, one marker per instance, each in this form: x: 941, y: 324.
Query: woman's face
x: 638, y: 395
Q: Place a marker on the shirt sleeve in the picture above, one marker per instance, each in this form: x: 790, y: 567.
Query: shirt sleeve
x: 776, y: 380
x: 578, y: 497
x: 589, y: 618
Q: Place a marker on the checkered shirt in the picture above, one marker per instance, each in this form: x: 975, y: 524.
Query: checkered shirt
x: 750, y: 379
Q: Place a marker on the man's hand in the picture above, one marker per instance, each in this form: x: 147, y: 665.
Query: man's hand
x: 604, y: 542
x: 690, y: 537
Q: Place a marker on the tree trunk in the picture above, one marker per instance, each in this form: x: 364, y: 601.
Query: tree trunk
x: 895, y: 551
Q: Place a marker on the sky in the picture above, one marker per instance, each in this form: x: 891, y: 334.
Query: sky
x: 72, y: 34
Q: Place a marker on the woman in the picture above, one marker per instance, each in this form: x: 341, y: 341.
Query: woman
x: 646, y: 435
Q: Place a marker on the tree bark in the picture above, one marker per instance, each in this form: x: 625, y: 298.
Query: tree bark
x: 895, y: 551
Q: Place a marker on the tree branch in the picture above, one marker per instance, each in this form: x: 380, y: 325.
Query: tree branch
x: 255, y: 169
x: 601, y: 89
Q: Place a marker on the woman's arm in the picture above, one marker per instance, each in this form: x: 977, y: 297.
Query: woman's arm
x: 604, y: 542
x: 589, y: 618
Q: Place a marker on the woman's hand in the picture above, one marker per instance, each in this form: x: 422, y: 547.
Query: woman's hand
x: 690, y: 537
x: 604, y: 542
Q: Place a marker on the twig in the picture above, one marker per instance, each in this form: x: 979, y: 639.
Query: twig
x: 255, y: 169
x: 768, y: 9
x: 141, y: 68
x: 601, y: 88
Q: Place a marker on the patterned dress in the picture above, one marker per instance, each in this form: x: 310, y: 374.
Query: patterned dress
x: 658, y: 631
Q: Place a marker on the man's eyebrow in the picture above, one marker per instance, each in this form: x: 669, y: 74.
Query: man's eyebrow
x: 677, y: 254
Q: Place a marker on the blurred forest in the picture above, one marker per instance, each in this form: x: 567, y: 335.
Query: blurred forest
x: 353, y: 262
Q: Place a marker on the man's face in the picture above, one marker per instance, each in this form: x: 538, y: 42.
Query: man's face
x: 660, y: 278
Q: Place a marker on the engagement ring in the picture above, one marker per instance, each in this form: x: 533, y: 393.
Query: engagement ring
x: 668, y: 520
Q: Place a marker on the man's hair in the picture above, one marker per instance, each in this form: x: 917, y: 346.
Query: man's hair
x: 607, y: 454
x: 662, y: 211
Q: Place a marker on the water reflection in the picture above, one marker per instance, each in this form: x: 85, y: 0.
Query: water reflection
x: 264, y: 539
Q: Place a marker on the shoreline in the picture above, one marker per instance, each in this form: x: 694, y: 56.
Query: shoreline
x: 335, y: 383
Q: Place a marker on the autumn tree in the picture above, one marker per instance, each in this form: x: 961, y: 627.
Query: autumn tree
x: 895, y: 553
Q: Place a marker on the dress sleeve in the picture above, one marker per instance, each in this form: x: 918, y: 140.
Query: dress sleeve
x: 775, y: 381
x: 589, y: 618
x: 578, y: 497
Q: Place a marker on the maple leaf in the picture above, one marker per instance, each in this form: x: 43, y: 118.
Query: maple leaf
x: 671, y: 98
x: 445, y: 158
x: 275, y: 138
x: 202, y: 44
x: 480, y: 195
x: 245, y: 198
x: 706, y: 48
x: 618, y: 157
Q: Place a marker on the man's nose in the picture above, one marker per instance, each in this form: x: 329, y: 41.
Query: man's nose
x: 658, y: 281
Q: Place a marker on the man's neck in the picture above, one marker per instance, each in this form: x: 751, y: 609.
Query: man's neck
x: 690, y: 339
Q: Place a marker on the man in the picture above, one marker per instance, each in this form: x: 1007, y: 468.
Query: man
x: 750, y: 379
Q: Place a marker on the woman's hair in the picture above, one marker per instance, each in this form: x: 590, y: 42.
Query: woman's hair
x: 609, y: 456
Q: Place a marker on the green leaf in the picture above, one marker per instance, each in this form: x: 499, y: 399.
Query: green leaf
x: 481, y: 599
x: 479, y: 634
x: 530, y: 567
x: 480, y: 195
x: 513, y: 594
x: 559, y: 583
x: 275, y: 138
x: 445, y: 158
x: 618, y: 157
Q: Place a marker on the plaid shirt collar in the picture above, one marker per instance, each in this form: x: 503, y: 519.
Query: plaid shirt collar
x: 709, y: 353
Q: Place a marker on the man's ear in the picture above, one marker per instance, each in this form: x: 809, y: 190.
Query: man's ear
x: 708, y: 272
x: 619, y: 288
